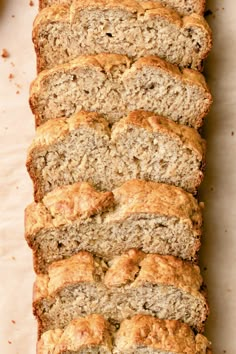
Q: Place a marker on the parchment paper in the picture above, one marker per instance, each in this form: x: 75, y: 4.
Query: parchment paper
x: 218, y: 256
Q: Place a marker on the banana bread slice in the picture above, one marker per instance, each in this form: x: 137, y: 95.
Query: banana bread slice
x: 128, y: 27
x: 135, y: 282
x: 110, y: 84
x: 183, y: 7
x: 141, y: 146
x: 140, y: 334
x: 153, y: 217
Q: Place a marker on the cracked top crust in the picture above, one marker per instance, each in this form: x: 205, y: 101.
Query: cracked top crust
x: 183, y: 8
x: 134, y: 269
x: 121, y: 69
x: 72, y: 203
x: 139, y: 331
x: 91, y: 331
x: 142, y: 12
x: 145, y: 331
x: 107, y: 62
x: 53, y: 131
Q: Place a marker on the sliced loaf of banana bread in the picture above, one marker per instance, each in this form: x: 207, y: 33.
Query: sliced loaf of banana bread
x: 140, y: 334
x: 153, y: 217
x: 112, y: 85
x: 139, y: 146
x: 146, y: 334
x: 133, y: 283
x: 128, y: 27
x: 183, y: 7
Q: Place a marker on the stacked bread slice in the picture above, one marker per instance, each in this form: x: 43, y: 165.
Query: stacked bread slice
x: 130, y: 27
x: 116, y: 162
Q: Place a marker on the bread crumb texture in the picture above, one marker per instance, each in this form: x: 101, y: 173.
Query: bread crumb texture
x: 150, y: 216
x: 135, y: 282
x: 112, y: 85
x: 141, y: 145
x: 128, y: 27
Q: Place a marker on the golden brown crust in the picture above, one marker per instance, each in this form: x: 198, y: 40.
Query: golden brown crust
x: 106, y: 62
x: 37, y: 217
x: 48, y: 341
x: 203, y: 345
x: 80, y: 200
x: 134, y: 268
x: 137, y: 268
x: 57, y: 12
x: 101, y: 62
x: 71, y: 14
x: 79, y: 268
x: 91, y: 331
x: 143, y: 197
x: 187, y: 75
x: 53, y: 131
x: 64, y: 205
x: 144, y: 331
x: 155, y: 123
x: 139, y: 331
x: 200, y: 5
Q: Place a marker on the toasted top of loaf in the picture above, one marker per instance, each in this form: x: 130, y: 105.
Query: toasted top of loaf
x: 154, y: 123
x: 134, y: 268
x: 72, y: 203
x: 53, y: 131
x: 185, y: 7
x: 140, y: 331
x: 150, y: 197
x: 120, y: 70
x: 55, y: 21
x: 81, y: 333
x: 170, y: 335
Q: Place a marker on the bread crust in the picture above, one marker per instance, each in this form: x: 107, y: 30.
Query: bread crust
x: 65, y: 205
x: 133, y: 269
x: 72, y: 203
x: 55, y: 131
x: 150, y: 197
x: 139, y: 331
x: 81, y: 333
x: 155, y: 123
x: 106, y: 62
x: 174, y: 335
x: 201, y: 5
x: 152, y: 10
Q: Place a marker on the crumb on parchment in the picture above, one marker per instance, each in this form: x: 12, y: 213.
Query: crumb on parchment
x: 5, y: 53
x: 208, y: 13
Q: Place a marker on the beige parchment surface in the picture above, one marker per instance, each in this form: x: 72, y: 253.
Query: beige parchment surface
x: 218, y: 255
